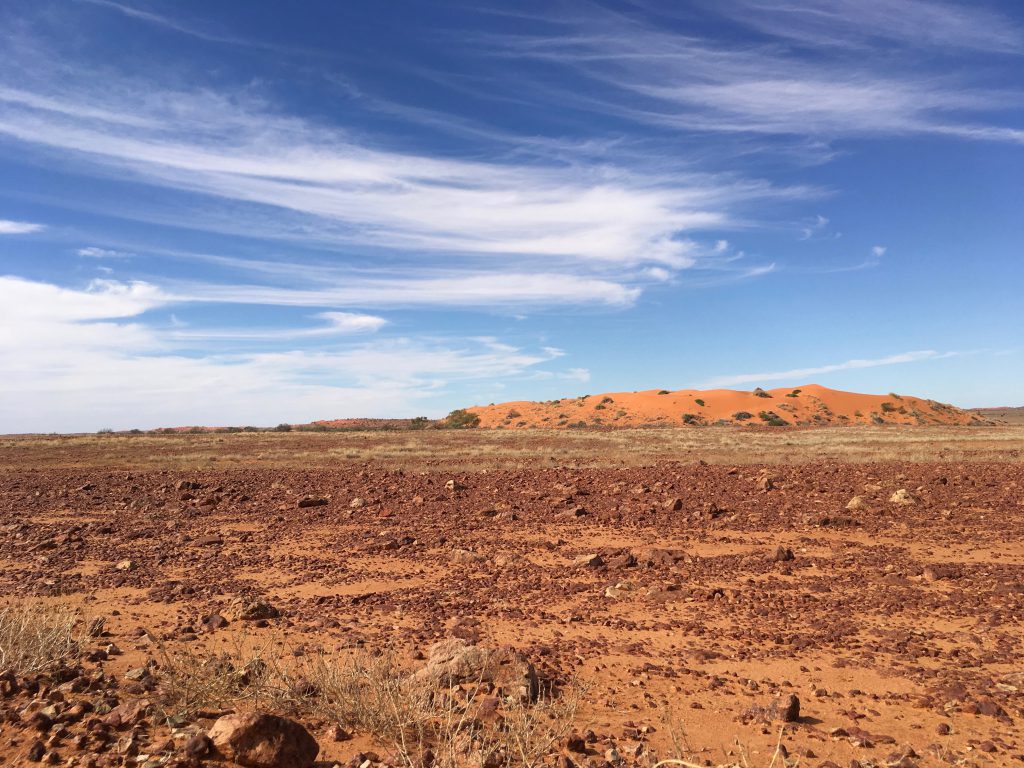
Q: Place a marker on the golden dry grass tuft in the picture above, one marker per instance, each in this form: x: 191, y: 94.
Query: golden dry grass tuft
x: 372, y: 694
x: 36, y: 637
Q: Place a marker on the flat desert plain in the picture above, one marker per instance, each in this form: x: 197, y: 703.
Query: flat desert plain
x: 821, y: 597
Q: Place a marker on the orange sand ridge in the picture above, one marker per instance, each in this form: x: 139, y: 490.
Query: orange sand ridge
x: 808, y: 405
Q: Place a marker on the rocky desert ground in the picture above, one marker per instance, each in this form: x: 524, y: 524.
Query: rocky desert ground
x: 845, y: 597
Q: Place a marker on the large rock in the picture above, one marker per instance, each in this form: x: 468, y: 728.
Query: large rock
x: 903, y: 497
x: 784, y: 709
x: 257, y: 609
x: 264, y: 741
x: 454, y: 661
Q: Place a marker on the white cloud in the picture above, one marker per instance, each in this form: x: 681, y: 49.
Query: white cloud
x: 800, y: 375
x: 878, y: 251
x: 79, y: 360
x: 819, y: 224
x: 8, y: 227
x: 103, y: 253
x: 338, y: 324
x: 454, y: 289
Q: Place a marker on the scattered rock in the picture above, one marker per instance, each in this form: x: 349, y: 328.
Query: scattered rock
x: 454, y: 661
x: 253, y: 610
x: 782, y: 554
x: 903, y: 497
x: 785, y: 709
x: 264, y: 741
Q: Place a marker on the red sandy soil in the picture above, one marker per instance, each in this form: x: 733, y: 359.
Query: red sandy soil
x: 676, y: 591
x: 808, y: 405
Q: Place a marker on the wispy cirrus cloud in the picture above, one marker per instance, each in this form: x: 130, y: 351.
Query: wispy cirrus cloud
x: 8, y: 227
x: 859, y: 23
x: 93, y: 252
x: 802, y: 374
x: 356, y: 194
x: 655, y: 75
x: 335, y: 324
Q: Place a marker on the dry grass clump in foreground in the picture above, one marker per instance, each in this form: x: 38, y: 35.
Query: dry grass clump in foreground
x: 422, y: 723
x: 37, y: 638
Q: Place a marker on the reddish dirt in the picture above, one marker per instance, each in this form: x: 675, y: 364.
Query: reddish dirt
x: 808, y: 405
x: 900, y: 627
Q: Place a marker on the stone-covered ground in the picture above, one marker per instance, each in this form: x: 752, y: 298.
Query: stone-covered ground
x: 675, y: 597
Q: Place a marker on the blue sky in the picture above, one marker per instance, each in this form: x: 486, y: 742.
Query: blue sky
x: 241, y: 213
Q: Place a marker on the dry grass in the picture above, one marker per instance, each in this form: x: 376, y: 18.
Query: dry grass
x: 496, y: 449
x: 358, y: 691
x: 37, y: 638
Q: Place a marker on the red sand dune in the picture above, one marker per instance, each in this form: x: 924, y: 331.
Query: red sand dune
x: 808, y: 405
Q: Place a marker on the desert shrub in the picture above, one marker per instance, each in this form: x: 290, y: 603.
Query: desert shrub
x: 690, y: 418
x: 794, y: 393
x: 105, y: 431
x: 742, y: 415
x: 607, y: 400
x: 600, y: 407
x: 283, y: 428
x: 699, y: 402
x: 513, y: 414
x: 461, y: 419
x: 777, y: 421
x: 663, y: 392
x: 758, y: 392
x: 888, y: 407
x: 420, y: 422
x: 35, y: 637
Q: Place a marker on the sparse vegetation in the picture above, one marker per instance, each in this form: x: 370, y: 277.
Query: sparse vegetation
x: 461, y: 419
x: 662, y: 391
x: 742, y: 415
x: 283, y: 428
x: 35, y: 637
x: 372, y: 694
x: 691, y: 418
x: 888, y: 407
x: 758, y: 392
x: 699, y: 402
